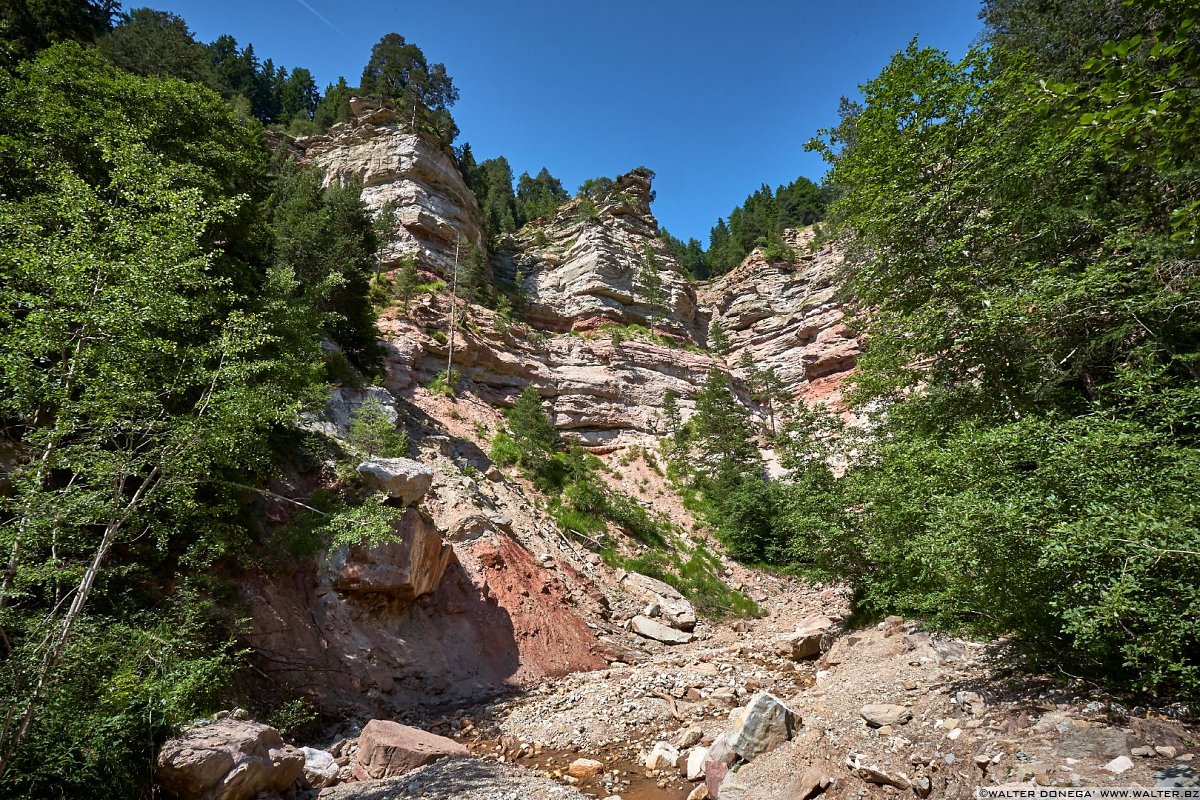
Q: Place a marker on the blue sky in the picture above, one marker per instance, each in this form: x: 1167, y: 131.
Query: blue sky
x: 717, y: 98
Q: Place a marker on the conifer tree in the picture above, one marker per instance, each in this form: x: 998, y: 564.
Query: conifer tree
x: 650, y: 288
x: 718, y: 340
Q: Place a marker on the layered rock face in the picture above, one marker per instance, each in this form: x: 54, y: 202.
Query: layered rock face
x: 787, y: 317
x: 580, y: 269
x: 600, y: 392
x: 434, y: 209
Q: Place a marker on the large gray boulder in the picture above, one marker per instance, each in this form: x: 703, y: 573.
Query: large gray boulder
x: 756, y: 728
x: 653, y: 629
x: 400, y: 478
x: 673, y: 608
x: 227, y: 760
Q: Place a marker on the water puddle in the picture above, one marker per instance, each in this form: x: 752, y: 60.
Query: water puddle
x: 622, y: 774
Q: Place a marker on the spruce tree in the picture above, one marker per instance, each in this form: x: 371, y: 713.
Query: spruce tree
x: 650, y: 288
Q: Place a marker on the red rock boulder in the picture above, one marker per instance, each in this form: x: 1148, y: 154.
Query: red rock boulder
x: 387, y: 748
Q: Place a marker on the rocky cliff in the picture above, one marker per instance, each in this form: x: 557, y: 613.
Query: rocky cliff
x: 404, y: 170
x: 580, y: 268
x: 786, y: 315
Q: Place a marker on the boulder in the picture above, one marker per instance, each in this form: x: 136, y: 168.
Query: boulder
x: 672, y: 607
x: 879, y: 714
x: 714, y: 775
x: 387, y: 748
x: 653, y: 629
x: 227, y: 760
x: 663, y: 755
x: 584, y: 768
x: 1092, y: 742
x: 756, y: 728
x: 1118, y: 765
x: 400, y: 478
x: 1157, y: 732
x: 688, y: 737
x: 320, y: 768
x: 694, y: 767
x: 405, y: 569
x: 808, y: 640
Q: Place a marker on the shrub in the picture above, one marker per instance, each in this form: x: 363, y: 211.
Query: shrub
x: 373, y: 432
x: 505, y: 451
x: 445, y: 383
x: 587, y: 211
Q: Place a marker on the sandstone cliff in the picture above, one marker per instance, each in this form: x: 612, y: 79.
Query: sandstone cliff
x: 786, y: 316
x: 434, y: 209
x: 580, y: 268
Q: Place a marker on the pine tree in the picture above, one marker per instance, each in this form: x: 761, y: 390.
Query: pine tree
x: 406, y: 281
x: 650, y: 288
x: 718, y: 340
x: 532, y: 429
x: 727, y: 447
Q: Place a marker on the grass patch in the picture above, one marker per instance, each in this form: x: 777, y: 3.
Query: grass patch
x: 695, y: 573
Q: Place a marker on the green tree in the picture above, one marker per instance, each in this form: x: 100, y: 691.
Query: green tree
x: 399, y: 73
x: 724, y: 436
x: 27, y: 26
x: 596, y: 187
x: 718, y: 339
x: 474, y: 273
x: 650, y: 288
x: 327, y: 240
x: 539, y: 197
x: 407, y: 279
x: 535, y: 435
x: 158, y: 44
x: 1030, y: 348
x: 374, y: 433
x: 766, y: 387
x: 148, y: 350
x: 299, y: 95
x: 492, y: 184
x: 334, y: 106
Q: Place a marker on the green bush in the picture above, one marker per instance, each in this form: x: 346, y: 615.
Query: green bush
x: 445, y: 383
x: 1080, y: 537
x: 505, y: 451
x: 374, y: 433
x: 587, y: 211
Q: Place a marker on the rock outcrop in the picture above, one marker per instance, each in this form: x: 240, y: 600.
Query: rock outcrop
x: 409, y: 567
x: 406, y: 171
x: 667, y: 603
x: 787, y: 317
x: 580, y: 269
x: 227, y: 760
x: 602, y: 392
x: 399, y: 478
